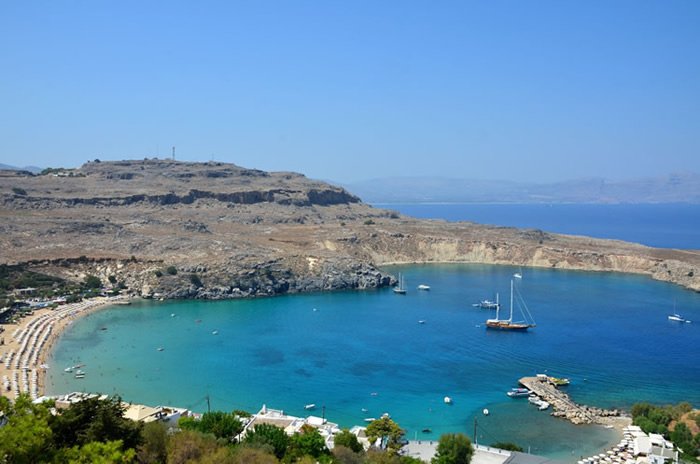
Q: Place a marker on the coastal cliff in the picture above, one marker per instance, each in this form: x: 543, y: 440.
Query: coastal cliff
x: 243, y: 232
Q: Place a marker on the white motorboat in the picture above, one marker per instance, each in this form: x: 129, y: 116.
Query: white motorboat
x: 677, y: 317
x: 448, y: 400
x: 423, y: 287
x: 310, y: 406
x: 486, y: 412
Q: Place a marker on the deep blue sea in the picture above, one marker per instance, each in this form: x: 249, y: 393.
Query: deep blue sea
x: 656, y: 225
x: 363, y: 353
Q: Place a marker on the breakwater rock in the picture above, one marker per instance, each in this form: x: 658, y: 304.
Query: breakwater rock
x: 564, y: 406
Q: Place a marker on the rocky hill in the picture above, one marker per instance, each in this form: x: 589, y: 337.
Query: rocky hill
x: 235, y: 232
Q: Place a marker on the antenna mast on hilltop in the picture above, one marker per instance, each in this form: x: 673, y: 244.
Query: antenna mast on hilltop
x: 173, y: 153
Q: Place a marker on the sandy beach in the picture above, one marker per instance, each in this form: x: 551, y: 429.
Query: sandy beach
x: 26, y: 344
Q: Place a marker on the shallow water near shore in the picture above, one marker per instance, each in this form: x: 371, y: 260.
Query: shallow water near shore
x: 364, y: 353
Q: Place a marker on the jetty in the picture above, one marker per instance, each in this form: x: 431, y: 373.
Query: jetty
x: 564, y: 406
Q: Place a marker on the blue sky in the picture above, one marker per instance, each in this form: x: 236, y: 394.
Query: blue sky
x: 353, y: 90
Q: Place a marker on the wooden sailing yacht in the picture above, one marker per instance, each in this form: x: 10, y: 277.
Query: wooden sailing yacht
x: 508, y: 324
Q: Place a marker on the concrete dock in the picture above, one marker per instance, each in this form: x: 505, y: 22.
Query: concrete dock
x: 564, y: 406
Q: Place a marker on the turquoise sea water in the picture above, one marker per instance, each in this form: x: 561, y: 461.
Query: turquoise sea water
x: 366, y: 350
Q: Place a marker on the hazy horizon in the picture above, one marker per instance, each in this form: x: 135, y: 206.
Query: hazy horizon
x: 512, y: 91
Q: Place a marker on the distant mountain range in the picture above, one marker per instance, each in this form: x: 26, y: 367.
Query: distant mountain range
x: 672, y: 188
x: 32, y: 169
x: 679, y: 187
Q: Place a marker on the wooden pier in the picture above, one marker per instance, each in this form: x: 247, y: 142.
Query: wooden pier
x: 564, y: 406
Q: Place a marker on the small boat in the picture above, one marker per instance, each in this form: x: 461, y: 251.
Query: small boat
x: 486, y: 412
x: 215, y: 332
x: 519, y: 274
x: 543, y: 405
x: 370, y: 419
x: 518, y: 392
x: 160, y: 348
x: 386, y: 415
x: 558, y: 382
x: 421, y: 321
x: 364, y: 409
x: 172, y: 315
x: 103, y: 328
x: 448, y: 400
x: 68, y: 369
x: 399, y: 289
x: 423, y: 287
x: 310, y: 406
x: 78, y: 366
x: 677, y: 318
x: 488, y: 304
x: 426, y: 431
x: 198, y: 320
x: 79, y: 376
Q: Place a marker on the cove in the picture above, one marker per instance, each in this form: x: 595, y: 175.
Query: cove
x: 363, y: 353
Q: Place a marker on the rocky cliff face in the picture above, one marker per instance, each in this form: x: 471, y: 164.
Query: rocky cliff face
x: 245, y: 233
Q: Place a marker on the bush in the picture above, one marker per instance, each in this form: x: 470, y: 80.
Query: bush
x: 369, y: 222
x: 158, y: 273
x: 112, y: 279
x: 92, y: 281
x: 19, y: 191
x: 171, y: 270
x: 195, y: 280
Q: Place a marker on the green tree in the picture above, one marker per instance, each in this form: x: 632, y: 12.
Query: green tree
x: 453, y: 449
x: 110, y: 452
x: 92, y: 281
x: 27, y: 437
x: 219, y: 423
x: 640, y: 409
x: 154, y: 448
x: 343, y: 455
x: 171, y: 270
x: 307, y: 442
x: 268, y: 434
x: 348, y: 440
x: 190, y: 446
x: 681, y: 435
x: 509, y: 446
x: 195, y: 280
x: 112, y: 279
x: 250, y: 455
x: 388, y: 430
x: 93, y: 419
x: 19, y: 191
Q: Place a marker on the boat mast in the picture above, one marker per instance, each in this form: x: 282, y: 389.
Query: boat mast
x: 510, y: 319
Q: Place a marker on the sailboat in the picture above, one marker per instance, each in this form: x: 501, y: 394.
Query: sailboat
x: 508, y: 324
x: 400, y: 288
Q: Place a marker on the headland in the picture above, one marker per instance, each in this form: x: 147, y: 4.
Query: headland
x: 231, y: 232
